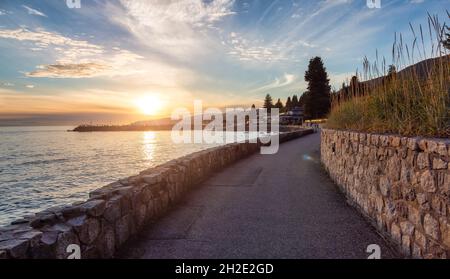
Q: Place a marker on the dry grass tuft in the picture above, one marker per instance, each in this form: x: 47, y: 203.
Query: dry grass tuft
x: 412, y: 102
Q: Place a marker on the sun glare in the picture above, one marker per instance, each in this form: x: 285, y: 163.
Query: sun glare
x: 149, y: 105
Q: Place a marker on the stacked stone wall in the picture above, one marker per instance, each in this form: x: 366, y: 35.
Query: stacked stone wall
x: 402, y: 184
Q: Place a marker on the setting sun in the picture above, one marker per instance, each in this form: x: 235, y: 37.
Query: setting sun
x: 149, y: 105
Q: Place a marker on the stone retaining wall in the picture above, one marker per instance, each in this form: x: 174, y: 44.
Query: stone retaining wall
x: 401, y: 184
x: 118, y: 211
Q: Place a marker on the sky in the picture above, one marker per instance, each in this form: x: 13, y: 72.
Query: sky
x: 119, y: 61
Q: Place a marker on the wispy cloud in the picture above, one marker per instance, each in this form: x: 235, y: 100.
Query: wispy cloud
x: 306, y: 44
x: 327, y: 5
x: 154, y: 13
x: 74, y: 58
x: 32, y: 11
x: 69, y: 70
x: 43, y: 38
x: 283, y: 81
x: 176, y: 28
x: 252, y: 50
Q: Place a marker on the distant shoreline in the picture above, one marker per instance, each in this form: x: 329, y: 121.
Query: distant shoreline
x: 121, y: 128
x: 136, y: 128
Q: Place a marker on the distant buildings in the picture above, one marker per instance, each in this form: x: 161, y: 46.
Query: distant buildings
x: 294, y: 116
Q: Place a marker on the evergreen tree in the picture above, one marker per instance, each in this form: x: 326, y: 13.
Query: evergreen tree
x: 344, y: 91
x: 302, y: 99
x: 354, y: 86
x: 446, y: 42
x: 268, y: 102
x: 279, y: 105
x: 253, y: 106
x: 288, y: 106
x: 295, y: 102
x: 392, y: 70
x: 392, y: 73
x: 317, y: 102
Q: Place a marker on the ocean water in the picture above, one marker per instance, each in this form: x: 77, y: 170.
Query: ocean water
x: 41, y: 167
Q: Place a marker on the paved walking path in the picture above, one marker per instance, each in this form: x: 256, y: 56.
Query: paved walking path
x: 265, y: 206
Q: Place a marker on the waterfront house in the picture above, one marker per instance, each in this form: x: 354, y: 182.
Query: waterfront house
x: 292, y: 117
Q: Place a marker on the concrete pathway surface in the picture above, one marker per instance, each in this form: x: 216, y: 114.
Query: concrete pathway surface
x: 265, y: 206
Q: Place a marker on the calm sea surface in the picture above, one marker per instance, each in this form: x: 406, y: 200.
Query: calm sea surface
x: 42, y: 167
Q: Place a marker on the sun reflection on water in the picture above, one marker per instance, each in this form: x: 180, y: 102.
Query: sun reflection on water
x: 149, y: 144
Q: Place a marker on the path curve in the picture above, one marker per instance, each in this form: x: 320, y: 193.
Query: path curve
x: 265, y: 206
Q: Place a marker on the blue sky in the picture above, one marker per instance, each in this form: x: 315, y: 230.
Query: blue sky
x: 108, y: 55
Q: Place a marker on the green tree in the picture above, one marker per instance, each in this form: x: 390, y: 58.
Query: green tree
x: 354, y: 86
x: 288, y: 106
x: 392, y: 70
x: 317, y: 102
x: 279, y: 105
x: 295, y: 102
x: 302, y: 99
x: 343, y: 92
x: 446, y: 42
x: 268, y: 102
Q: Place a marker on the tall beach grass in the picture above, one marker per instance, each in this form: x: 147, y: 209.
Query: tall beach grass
x: 412, y: 102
